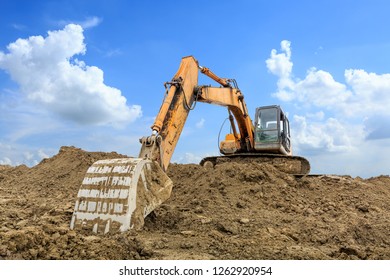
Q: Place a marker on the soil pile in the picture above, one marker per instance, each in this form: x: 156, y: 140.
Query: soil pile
x: 234, y: 211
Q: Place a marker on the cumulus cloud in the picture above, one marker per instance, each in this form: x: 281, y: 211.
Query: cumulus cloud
x: 17, y: 154
x: 348, y: 113
x: 318, y: 87
x: 331, y: 135
x: 280, y: 63
x: 371, y: 92
x: 51, y: 76
x: 361, y: 93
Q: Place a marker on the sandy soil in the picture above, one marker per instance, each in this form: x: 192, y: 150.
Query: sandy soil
x: 235, y: 211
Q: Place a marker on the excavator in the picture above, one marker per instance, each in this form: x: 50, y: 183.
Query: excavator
x: 117, y: 194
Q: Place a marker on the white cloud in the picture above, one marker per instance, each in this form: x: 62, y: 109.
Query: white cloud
x: 371, y: 92
x: 317, y: 115
x: 330, y: 135
x: 18, y: 26
x: 5, y: 161
x: 16, y: 154
x: 280, y: 63
x: 28, y: 155
x: 187, y: 158
x: 317, y: 88
x: 50, y: 76
x: 42, y: 154
x: 200, y: 123
x: 362, y: 93
x: 320, y: 89
x: 91, y: 22
x: 114, y: 52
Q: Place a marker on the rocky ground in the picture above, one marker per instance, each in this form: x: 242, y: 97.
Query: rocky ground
x: 234, y: 211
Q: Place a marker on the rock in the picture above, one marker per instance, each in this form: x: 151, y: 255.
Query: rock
x: 92, y: 238
x: 21, y: 223
x: 206, y: 220
x: 244, y: 220
x: 226, y: 227
x: 186, y: 245
x: 56, y: 235
x: 362, y: 207
x: 188, y: 233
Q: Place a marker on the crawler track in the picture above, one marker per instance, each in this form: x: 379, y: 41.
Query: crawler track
x: 294, y: 165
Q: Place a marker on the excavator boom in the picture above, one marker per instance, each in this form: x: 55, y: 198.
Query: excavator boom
x: 170, y: 120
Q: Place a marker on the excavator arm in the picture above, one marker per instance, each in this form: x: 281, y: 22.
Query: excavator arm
x: 233, y: 99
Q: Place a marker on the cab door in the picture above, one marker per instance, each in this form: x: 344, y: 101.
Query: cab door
x: 285, y: 133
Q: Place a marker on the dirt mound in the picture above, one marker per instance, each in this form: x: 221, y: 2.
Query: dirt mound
x: 234, y: 211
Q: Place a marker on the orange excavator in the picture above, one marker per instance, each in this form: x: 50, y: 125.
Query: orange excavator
x: 117, y: 194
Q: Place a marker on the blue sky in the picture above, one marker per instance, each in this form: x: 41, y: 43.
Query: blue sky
x: 91, y: 73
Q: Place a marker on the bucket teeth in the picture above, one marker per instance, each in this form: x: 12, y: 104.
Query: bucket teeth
x: 116, y: 195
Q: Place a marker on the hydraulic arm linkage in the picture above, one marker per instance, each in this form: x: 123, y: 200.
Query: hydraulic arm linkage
x: 183, y: 92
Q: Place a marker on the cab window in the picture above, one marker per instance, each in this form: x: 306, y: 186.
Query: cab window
x: 267, y: 125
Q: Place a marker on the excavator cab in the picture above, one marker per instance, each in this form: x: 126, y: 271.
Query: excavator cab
x: 272, y: 131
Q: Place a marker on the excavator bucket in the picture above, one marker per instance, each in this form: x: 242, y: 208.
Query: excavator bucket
x: 117, y: 194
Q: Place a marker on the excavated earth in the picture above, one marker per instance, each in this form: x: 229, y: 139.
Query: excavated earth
x: 234, y: 211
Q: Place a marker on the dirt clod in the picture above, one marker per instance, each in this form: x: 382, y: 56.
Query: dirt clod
x: 232, y: 211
